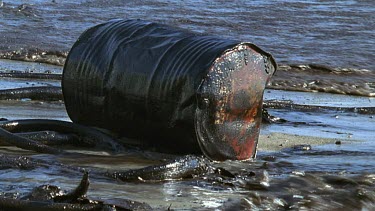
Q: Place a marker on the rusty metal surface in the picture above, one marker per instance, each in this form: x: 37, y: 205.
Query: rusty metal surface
x: 229, y: 110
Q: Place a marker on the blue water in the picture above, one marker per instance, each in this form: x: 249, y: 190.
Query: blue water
x: 335, y: 33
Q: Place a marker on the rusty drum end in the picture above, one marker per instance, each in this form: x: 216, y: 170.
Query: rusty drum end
x: 229, y: 103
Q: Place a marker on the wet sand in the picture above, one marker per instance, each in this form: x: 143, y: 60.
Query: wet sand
x: 351, y: 156
x: 278, y: 141
x: 270, y: 139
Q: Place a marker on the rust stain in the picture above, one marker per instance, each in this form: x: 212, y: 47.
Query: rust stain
x: 244, y: 144
x: 235, y: 86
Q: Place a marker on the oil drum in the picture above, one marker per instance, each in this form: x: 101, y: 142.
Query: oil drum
x: 169, y: 87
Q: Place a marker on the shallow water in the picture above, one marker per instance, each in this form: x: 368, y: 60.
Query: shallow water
x: 330, y: 123
x: 334, y: 33
x: 339, y: 34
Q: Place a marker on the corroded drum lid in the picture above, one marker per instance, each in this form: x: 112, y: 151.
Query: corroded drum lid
x: 228, y: 115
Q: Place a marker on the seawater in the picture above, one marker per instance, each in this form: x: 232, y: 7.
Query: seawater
x: 333, y: 33
x: 339, y: 35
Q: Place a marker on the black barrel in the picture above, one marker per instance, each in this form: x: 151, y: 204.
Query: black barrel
x: 169, y: 87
